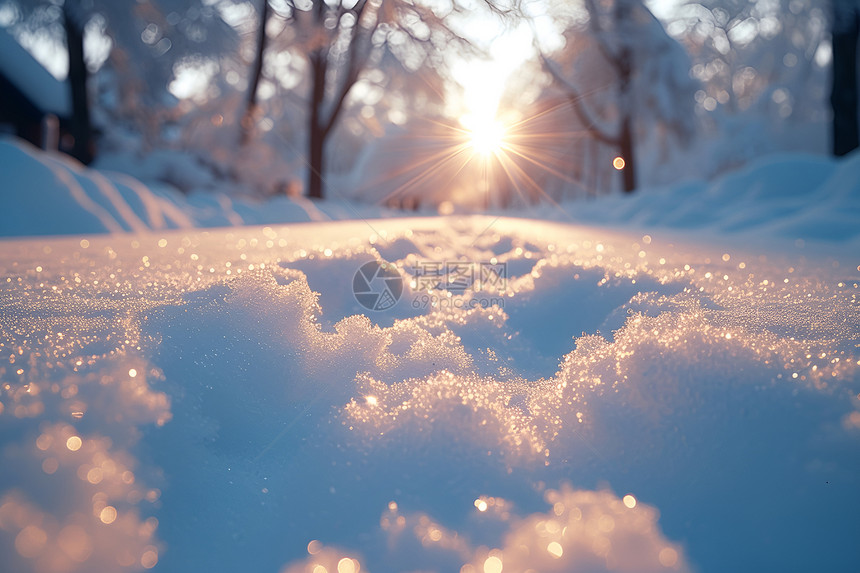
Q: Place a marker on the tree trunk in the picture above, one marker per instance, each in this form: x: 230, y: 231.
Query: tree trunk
x: 624, y: 67
x: 627, y: 149
x: 81, y: 130
x: 249, y: 117
x: 317, y: 164
x: 316, y: 131
x: 844, y: 96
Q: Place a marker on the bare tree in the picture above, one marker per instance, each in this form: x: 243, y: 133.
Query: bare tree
x: 251, y: 104
x: 74, y: 20
x: 641, y: 69
x: 341, y: 40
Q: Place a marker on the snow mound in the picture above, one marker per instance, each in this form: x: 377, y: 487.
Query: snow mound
x: 785, y: 196
x: 583, y: 531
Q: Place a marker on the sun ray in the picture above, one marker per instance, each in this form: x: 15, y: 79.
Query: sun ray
x: 497, y: 158
x: 436, y: 159
x: 536, y: 186
x: 543, y: 166
x: 437, y: 167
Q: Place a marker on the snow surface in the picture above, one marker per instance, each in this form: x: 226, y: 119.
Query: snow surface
x: 218, y: 400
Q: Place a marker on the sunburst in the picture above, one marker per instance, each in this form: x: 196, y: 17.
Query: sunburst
x: 482, y: 160
x: 486, y: 135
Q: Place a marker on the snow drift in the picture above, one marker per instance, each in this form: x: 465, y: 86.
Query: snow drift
x: 52, y: 194
x: 789, y: 196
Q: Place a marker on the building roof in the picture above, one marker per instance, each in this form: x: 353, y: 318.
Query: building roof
x: 34, y: 82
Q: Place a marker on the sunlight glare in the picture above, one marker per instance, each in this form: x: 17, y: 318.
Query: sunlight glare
x: 486, y: 135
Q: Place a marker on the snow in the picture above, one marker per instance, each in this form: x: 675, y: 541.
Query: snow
x: 677, y: 389
x: 784, y: 198
x: 33, y: 80
x: 218, y: 400
x: 55, y: 195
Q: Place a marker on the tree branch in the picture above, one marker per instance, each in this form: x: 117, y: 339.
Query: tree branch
x: 578, y: 104
x: 256, y: 74
x: 357, y: 61
x: 600, y: 34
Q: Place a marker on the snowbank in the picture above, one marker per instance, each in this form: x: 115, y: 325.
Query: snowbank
x: 786, y: 196
x: 52, y: 194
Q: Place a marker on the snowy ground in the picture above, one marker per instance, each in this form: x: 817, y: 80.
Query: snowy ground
x: 569, y: 399
x: 783, y: 200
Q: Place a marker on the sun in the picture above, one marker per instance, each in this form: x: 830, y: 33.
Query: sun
x: 486, y: 135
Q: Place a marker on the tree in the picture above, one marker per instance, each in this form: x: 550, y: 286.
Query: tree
x: 763, y: 67
x: 153, y: 45
x: 251, y: 103
x: 340, y: 42
x: 744, y: 51
x: 625, y: 51
x: 74, y: 20
x: 844, y: 93
x: 146, y: 44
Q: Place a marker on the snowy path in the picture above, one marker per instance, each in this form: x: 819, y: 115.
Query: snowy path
x: 576, y: 400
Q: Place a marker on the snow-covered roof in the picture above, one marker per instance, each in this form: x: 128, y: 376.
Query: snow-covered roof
x: 32, y: 79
